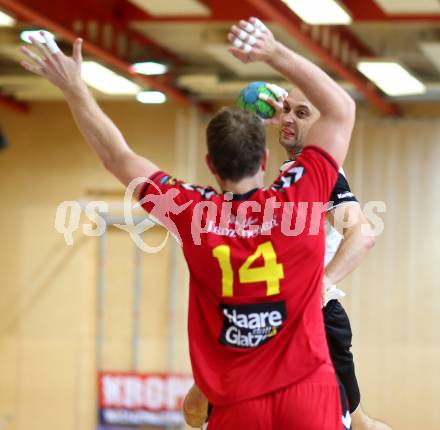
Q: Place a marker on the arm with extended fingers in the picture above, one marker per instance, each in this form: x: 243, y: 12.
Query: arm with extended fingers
x: 253, y: 41
x: 96, y: 127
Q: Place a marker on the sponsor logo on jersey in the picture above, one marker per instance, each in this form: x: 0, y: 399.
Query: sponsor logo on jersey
x: 345, y: 195
x: 252, y: 325
x: 245, y: 230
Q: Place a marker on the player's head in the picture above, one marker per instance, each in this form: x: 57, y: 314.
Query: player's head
x: 297, y: 117
x: 236, y: 142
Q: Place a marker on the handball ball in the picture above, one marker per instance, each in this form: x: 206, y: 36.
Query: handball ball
x: 248, y: 100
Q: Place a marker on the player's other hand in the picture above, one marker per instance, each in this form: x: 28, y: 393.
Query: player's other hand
x: 251, y: 41
x: 50, y: 63
x: 281, y: 94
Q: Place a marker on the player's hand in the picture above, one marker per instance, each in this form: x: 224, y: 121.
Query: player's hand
x: 59, y: 69
x: 281, y: 94
x: 251, y: 41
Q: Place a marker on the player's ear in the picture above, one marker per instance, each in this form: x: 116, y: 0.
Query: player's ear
x: 210, y: 165
x: 265, y: 160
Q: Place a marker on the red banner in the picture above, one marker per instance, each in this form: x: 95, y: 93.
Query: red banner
x: 136, y: 399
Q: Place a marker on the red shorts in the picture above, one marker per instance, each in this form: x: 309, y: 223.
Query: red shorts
x: 312, y: 404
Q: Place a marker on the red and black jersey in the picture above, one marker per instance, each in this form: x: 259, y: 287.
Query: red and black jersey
x: 256, y: 265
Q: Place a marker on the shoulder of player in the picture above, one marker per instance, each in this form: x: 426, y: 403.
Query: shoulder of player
x: 314, y: 153
x: 205, y: 192
x: 290, y: 172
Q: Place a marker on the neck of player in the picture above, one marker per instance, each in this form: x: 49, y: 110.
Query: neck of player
x: 244, y: 185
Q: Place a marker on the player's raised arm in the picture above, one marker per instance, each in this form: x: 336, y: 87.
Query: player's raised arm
x: 96, y: 127
x: 253, y: 41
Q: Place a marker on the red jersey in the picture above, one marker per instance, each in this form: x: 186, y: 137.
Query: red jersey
x: 256, y: 265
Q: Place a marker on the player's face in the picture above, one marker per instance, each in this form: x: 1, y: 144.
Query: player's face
x: 297, y: 117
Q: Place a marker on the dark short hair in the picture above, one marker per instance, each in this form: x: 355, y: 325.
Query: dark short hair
x: 236, y: 142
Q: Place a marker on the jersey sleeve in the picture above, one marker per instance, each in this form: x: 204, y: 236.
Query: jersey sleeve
x: 170, y: 201
x: 341, y: 192
x: 310, y: 178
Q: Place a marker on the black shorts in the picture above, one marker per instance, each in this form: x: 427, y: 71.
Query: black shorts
x: 338, y: 331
